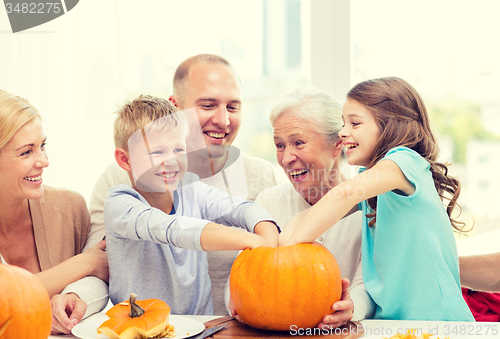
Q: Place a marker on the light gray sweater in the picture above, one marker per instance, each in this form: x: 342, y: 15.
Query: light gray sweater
x: 158, y: 255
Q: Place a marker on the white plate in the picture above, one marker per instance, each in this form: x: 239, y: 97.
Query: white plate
x: 184, y: 327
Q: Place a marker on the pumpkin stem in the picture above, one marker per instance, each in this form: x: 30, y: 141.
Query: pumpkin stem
x: 135, y: 310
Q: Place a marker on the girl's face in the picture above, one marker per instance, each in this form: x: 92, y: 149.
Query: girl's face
x: 359, y: 134
x: 22, y: 161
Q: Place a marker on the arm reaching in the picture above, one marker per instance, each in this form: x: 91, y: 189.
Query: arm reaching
x: 480, y: 272
x: 215, y: 237
x: 383, y: 177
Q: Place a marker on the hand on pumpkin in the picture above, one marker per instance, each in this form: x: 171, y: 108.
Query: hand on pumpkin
x: 268, y: 231
x: 97, y: 258
x: 343, y: 309
x: 232, y: 311
x: 67, y: 311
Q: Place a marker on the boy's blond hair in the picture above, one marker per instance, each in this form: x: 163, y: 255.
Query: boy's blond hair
x: 147, y: 112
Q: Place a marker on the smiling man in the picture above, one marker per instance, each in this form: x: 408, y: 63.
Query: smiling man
x: 209, y: 84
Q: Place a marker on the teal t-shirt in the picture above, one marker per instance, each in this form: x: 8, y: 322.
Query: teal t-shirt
x: 410, y: 262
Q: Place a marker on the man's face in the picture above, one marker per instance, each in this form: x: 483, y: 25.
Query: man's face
x: 215, y: 92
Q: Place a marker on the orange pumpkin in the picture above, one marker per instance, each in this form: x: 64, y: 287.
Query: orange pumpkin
x: 25, y: 310
x: 275, y: 288
x: 132, y: 319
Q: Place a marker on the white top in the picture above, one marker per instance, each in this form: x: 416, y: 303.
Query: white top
x: 343, y: 240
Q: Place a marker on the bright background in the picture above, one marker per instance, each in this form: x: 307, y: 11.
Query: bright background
x: 78, y: 69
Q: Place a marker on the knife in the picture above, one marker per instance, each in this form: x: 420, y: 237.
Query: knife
x: 208, y: 332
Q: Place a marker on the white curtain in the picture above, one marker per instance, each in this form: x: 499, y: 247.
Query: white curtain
x: 79, y: 68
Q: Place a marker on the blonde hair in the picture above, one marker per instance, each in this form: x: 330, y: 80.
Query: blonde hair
x: 146, y: 112
x: 15, y: 112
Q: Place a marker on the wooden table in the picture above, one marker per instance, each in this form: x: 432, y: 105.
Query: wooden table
x: 370, y: 329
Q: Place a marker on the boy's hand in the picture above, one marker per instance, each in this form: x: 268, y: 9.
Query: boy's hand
x: 268, y: 231
x: 255, y: 241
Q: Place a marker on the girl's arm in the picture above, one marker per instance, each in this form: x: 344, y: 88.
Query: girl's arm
x: 383, y: 177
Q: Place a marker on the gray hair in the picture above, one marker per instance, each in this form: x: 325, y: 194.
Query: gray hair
x: 319, y: 108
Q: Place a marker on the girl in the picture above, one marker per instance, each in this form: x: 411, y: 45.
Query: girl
x: 410, y: 263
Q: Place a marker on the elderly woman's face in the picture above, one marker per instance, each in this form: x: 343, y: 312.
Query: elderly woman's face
x: 22, y: 161
x: 309, y: 161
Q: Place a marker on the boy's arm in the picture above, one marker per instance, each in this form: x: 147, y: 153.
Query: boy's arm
x: 128, y: 216
x: 215, y: 237
x: 236, y: 211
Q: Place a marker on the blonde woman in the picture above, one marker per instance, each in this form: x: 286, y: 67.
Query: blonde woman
x: 44, y: 229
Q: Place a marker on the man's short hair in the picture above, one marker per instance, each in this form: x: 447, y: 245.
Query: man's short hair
x: 182, y: 71
x: 145, y: 111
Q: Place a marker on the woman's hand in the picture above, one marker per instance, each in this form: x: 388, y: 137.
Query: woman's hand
x: 67, y: 311
x: 343, y: 310
x: 97, y: 258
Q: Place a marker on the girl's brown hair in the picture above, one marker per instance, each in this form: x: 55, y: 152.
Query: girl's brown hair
x: 403, y: 121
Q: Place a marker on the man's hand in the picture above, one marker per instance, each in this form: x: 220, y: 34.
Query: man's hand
x: 67, y: 311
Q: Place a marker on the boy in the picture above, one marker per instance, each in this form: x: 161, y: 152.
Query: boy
x: 157, y: 231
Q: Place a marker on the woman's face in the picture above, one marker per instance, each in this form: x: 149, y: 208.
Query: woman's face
x: 310, y: 162
x: 22, y: 161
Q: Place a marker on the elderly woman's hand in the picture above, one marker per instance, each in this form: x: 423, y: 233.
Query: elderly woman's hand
x: 67, y: 311
x: 343, y: 310
x: 97, y: 258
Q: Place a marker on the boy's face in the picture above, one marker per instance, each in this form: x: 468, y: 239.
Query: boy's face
x: 158, y: 160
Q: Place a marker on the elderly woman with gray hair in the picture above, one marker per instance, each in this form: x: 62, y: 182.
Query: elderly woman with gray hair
x: 306, y: 124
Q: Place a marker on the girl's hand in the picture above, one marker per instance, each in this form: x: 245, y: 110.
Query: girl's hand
x: 291, y: 226
x: 97, y: 258
x: 343, y: 310
x: 67, y: 311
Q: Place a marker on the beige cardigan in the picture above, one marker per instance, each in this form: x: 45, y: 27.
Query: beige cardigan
x: 61, y: 224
